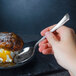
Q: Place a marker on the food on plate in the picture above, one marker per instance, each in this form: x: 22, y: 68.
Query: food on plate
x: 10, y: 45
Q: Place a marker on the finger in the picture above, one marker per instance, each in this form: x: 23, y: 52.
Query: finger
x: 51, y: 38
x: 46, y: 30
x: 46, y: 44
x: 47, y: 51
x: 64, y: 32
x: 49, y: 45
x: 43, y: 42
x: 43, y: 47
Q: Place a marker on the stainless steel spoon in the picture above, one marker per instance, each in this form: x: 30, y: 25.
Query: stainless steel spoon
x: 28, y: 52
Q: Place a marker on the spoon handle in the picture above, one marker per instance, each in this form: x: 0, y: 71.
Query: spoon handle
x: 59, y: 24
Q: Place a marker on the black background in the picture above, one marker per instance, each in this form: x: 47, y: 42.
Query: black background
x: 31, y: 16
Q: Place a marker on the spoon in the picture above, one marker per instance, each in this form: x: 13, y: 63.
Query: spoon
x: 27, y: 52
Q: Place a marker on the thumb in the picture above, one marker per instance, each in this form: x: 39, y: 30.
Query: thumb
x: 51, y: 38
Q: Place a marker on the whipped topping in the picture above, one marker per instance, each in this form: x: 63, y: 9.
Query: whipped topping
x: 8, y: 59
x: 6, y: 55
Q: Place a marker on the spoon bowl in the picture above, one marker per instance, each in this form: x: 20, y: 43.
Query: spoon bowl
x: 25, y: 55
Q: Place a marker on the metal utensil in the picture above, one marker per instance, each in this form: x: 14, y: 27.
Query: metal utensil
x: 28, y: 52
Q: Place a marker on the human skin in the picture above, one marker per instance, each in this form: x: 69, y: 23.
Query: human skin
x: 61, y: 43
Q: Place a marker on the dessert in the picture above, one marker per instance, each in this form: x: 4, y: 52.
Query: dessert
x: 10, y: 45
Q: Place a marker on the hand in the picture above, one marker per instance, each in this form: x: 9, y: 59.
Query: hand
x: 61, y: 43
